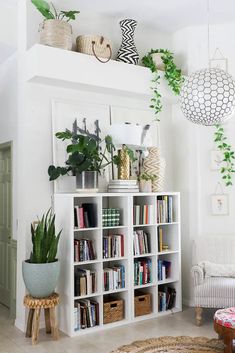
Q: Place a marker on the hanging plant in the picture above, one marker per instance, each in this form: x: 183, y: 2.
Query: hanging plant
x: 227, y: 169
x: 172, y: 74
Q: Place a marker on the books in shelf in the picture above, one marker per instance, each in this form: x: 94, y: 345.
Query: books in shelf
x: 83, y: 250
x: 141, y: 243
x: 160, y: 236
x: 111, y: 217
x: 164, y: 269
x: 143, y: 214
x: 113, y: 246
x: 85, y: 216
x: 85, y: 282
x: 166, y: 298
x: 114, y: 278
x: 142, y: 272
x: 86, y: 314
x: 165, y: 209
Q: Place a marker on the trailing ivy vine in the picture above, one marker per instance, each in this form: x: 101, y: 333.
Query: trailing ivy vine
x: 172, y: 74
x: 227, y: 169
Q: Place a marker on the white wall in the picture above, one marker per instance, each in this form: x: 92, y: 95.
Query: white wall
x: 194, y: 178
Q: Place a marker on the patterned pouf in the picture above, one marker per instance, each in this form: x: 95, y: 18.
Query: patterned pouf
x: 225, y: 317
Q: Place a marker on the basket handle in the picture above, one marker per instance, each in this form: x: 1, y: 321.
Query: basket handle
x: 108, y: 46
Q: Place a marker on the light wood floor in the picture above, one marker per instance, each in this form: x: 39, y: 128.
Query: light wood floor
x: 13, y: 341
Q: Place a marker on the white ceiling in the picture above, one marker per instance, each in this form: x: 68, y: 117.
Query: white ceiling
x: 166, y: 15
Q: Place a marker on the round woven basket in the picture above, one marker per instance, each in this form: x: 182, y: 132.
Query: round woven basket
x: 56, y: 33
x: 94, y: 45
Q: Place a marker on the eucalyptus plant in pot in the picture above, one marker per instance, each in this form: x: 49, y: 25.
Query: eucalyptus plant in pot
x: 55, y: 29
x: 41, y: 270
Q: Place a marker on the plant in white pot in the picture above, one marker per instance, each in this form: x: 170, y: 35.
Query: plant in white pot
x: 55, y: 29
x: 145, y: 181
x: 41, y: 270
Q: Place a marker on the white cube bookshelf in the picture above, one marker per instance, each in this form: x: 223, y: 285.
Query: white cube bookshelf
x: 64, y: 209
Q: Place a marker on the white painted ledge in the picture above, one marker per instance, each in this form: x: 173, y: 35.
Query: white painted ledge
x: 61, y: 68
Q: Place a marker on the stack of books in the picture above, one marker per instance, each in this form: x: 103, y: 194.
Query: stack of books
x: 161, y: 246
x: 85, y: 216
x: 164, y: 270
x: 85, y: 282
x: 141, y: 242
x: 165, y: 209
x: 113, y: 246
x: 166, y: 298
x: 111, y: 217
x: 142, y: 272
x: 143, y: 214
x: 86, y: 314
x: 114, y: 278
x: 123, y: 186
x: 83, y: 250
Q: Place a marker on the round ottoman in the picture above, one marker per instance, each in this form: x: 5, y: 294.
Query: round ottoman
x: 224, y: 325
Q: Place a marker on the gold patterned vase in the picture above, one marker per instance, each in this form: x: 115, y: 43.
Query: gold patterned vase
x: 154, y: 164
x: 124, y: 167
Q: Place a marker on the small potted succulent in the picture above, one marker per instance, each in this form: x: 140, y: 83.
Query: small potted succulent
x: 145, y: 181
x: 55, y: 29
x: 41, y: 270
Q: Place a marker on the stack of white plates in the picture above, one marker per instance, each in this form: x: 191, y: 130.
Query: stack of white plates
x: 123, y: 186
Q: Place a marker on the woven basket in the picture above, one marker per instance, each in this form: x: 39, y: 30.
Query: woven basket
x: 113, y: 311
x: 143, y: 304
x: 98, y: 46
x: 56, y: 33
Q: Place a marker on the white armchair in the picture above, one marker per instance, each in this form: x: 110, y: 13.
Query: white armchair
x: 212, y: 292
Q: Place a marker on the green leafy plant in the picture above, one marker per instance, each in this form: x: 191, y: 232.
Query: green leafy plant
x: 49, y: 11
x: 117, y: 159
x: 227, y: 169
x: 44, y: 239
x: 172, y: 74
x: 146, y: 177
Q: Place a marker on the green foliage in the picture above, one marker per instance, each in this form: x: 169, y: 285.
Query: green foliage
x: 227, y: 169
x: 117, y: 160
x: 172, y: 74
x: 146, y: 176
x: 49, y: 12
x: 44, y: 240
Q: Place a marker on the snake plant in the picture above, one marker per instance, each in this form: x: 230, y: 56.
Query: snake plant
x: 44, y: 239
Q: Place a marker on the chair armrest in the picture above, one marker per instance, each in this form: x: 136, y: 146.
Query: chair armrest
x: 198, y: 275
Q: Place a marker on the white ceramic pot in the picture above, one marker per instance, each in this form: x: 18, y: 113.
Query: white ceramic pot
x: 145, y: 186
x: 158, y: 61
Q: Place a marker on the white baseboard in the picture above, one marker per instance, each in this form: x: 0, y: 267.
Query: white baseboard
x: 188, y: 302
x: 20, y: 325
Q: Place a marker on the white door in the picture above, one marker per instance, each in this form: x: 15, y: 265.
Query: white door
x: 5, y: 224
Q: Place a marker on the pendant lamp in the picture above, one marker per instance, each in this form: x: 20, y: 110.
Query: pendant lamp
x: 208, y: 95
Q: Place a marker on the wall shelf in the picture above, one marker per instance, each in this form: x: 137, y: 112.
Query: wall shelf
x: 68, y: 69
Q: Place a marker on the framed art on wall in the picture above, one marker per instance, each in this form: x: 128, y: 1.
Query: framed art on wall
x: 219, y: 204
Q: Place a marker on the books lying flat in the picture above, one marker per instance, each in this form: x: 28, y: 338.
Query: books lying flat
x: 123, y: 186
x: 123, y: 190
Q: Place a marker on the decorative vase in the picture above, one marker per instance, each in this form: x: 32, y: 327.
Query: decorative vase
x: 124, y: 167
x: 128, y: 52
x: 87, y: 181
x: 154, y: 164
x: 40, y: 279
x: 145, y: 186
x: 56, y: 33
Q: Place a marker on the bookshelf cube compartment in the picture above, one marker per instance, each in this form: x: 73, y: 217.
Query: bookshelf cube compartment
x: 116, y: 203
x: 143, y: 210
x: 115, y: 243
x: 144, y: 240
x: 167, y: 297
x: 168, y: 238
x: 143, y: 271
x: 86, y: 212
x: 87, y: 246
x: 87, y: 280
x: 142, y: 302
x: 167, y: 209
x: 87, y: 313
x: 115, y: 307
x: 115, y: 274
x: 168, y: 268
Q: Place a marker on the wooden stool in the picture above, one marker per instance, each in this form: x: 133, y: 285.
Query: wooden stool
x: 224, y: 325
x: 35, y: 305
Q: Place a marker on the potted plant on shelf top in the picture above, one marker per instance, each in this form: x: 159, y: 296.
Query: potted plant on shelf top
x: 41, y: 271
x: 145, y: 181
x: 55, y: 30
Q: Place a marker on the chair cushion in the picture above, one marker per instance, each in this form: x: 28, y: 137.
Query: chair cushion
x: 225, y: 317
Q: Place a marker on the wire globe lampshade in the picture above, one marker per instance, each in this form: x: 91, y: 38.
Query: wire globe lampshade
x: 208, y: 97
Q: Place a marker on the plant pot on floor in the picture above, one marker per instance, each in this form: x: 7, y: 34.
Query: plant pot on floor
x: 40, y: 279
x: 145, y: 186
x: 87, y: 181
x: 56, y: 33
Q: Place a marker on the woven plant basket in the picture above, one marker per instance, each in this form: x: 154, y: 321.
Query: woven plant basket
x: 158, y: 61
x: 95, y: 45
x: 56, y: 33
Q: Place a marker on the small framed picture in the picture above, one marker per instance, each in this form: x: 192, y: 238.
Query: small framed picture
x: 221, y: 63
x: 219, y: 204
x: 216, y: 160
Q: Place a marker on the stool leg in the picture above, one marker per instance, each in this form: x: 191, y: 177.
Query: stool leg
x: 54, y: 327
x: 198, y: 312
x: 47, y: 320
x: 35, y: 327
x: 228, y: 344
x: 29, y: 323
